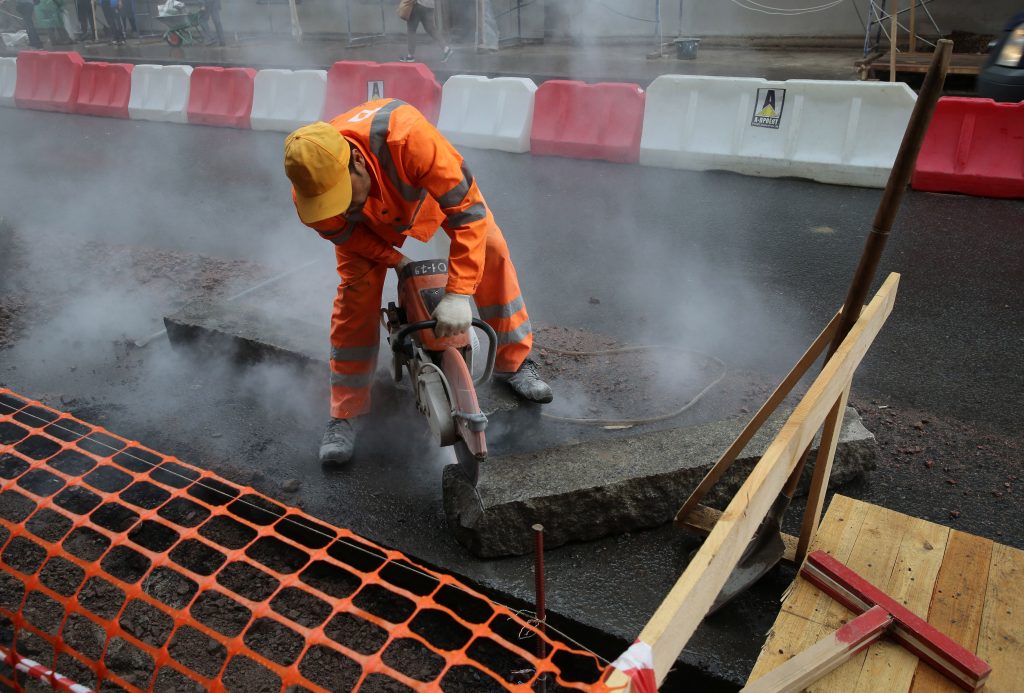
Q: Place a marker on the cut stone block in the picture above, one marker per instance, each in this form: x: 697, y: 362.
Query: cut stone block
x: 602, y: 487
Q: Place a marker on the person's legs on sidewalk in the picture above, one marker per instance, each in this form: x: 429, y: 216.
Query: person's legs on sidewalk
x: 26, y: 10
x: 410, y: 34
x: 430, y: 27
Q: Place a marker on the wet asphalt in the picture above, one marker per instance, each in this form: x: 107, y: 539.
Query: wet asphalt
x: 746, y: 268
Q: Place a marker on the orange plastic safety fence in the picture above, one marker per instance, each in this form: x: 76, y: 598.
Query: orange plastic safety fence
x: 124, y: 569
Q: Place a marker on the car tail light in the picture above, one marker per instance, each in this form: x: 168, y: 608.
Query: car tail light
x: 1013, y: 49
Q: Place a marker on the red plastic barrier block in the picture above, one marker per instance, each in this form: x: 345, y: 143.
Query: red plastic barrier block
x: 221, y: 96
x: 588, y: 121
x: 350, y: 83
x: 104, y: 89
x: 973, y: 146
x: 48, y: 81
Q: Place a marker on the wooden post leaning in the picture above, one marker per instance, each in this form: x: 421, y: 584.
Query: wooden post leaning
x: 686, y: 604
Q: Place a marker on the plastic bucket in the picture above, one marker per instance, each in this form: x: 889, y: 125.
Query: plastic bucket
x: 686, y: 48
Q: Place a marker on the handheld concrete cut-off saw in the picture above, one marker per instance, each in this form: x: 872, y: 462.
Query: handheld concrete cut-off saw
x: 441, y: 369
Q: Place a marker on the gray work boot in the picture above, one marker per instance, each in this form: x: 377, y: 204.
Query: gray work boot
x: 339, y: 442
x: 526, y: 383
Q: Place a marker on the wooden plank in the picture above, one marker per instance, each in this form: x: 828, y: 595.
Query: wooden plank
x: 873, y: 558
x: 1001, y: 639
x: 799, y: 623
x: 702, y: 520
x: 811, y: 355
x: 888, y: 666
x: 821, y: 475
x: 688, y: 601
x: 958, y: 602
x: 825, y: 655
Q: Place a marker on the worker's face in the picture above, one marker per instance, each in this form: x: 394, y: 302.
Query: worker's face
x: 360, y: 183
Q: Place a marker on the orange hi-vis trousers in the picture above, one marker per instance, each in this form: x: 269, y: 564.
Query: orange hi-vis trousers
x: 355, y: 322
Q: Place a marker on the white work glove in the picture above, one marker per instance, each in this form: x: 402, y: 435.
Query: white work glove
x: 402, y: 263
x: 453, y: 315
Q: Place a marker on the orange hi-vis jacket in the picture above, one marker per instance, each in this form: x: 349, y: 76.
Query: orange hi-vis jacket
x: 419, y: 183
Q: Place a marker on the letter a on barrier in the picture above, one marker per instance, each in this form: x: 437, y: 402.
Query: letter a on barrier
x: 768, y: 114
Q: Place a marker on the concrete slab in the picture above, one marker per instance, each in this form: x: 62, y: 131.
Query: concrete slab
x: 600, y: 488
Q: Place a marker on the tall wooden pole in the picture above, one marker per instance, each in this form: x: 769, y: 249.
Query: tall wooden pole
x: 894, y: 10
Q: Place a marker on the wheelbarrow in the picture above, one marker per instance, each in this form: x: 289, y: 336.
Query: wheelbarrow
x: 183, y: 29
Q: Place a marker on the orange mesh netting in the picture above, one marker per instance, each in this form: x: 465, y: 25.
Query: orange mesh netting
x: 124, y: 569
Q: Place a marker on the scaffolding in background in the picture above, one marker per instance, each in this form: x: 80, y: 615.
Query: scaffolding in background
x: 879, y: 17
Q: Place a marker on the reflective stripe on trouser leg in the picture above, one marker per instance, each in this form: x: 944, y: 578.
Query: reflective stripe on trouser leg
x: 355, y: 334
x: 500, y: 303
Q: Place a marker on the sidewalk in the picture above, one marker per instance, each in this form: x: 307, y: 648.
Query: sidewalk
x: 634, y: 60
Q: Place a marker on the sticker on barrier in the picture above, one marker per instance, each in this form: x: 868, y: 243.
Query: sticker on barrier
x: 588, y: 121
x: 8, y: 79
x: 284, y: 100
x: 121, y: 567
x: 221, y: 96
x: 488, y: 113
x: 160, y: 93
x: 48, y: 80
x: 845, y: 133
x: 351, y: 82
x: 104, y: 89
x: 973, y: 146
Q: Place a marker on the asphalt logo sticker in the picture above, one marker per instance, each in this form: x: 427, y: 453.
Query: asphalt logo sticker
x: 375, y: 90
x: 768, y: 108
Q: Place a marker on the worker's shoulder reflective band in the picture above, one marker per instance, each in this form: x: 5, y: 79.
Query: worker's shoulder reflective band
x: 517, y: 335
x: 468, y: 216
x: 339, y: 237
x: 379, y: 146
x: 351, y: 379
x: 353, y: 353
x: 506, y: 310
x: 457, y: 194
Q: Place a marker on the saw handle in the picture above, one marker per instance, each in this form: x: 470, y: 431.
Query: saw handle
x: 492, y: 342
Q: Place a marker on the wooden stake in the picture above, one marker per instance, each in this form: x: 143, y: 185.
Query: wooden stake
x: 894, y: 14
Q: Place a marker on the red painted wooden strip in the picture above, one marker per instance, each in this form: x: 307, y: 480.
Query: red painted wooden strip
x: 864, y: 628
x: 857, y: 594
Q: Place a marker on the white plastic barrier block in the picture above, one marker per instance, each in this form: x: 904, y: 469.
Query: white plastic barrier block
x: 845, y: 133
x: 8, y: 78
x: 160, y: 92
x: 488, y: 113
x: 285, y: 100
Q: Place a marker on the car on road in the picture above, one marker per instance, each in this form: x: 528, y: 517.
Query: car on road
x: 1002, y: 76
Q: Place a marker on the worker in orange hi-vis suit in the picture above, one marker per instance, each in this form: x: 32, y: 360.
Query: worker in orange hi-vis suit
x: 368, y: 180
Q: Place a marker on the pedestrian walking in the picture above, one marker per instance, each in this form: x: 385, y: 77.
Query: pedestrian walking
x: 416, y: 12
x: 27, y: 8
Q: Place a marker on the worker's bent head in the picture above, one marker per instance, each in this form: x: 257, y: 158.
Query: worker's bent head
x: 316, y: 160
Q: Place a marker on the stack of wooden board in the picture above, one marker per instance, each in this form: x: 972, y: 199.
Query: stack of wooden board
x: 966, y: 586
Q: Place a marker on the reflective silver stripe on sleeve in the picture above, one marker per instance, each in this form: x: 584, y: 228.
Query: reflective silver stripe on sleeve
x: 474, y: 213
x: 506, y: 310
x: 362, y: 353
x: 517, y: 335
x: 379, y: 145
x: 339, y: 237
x: 457, y: 194
x: 352, y: 380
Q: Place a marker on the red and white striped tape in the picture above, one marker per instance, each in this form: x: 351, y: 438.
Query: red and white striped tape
x: 40, y: 673
x: 638, y: 664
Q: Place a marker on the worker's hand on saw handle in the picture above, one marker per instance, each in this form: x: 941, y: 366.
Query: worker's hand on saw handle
x: 453, y: 314
x: 401, y: 264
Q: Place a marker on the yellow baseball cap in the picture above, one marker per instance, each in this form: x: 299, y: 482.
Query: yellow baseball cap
x: 316, y: 161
